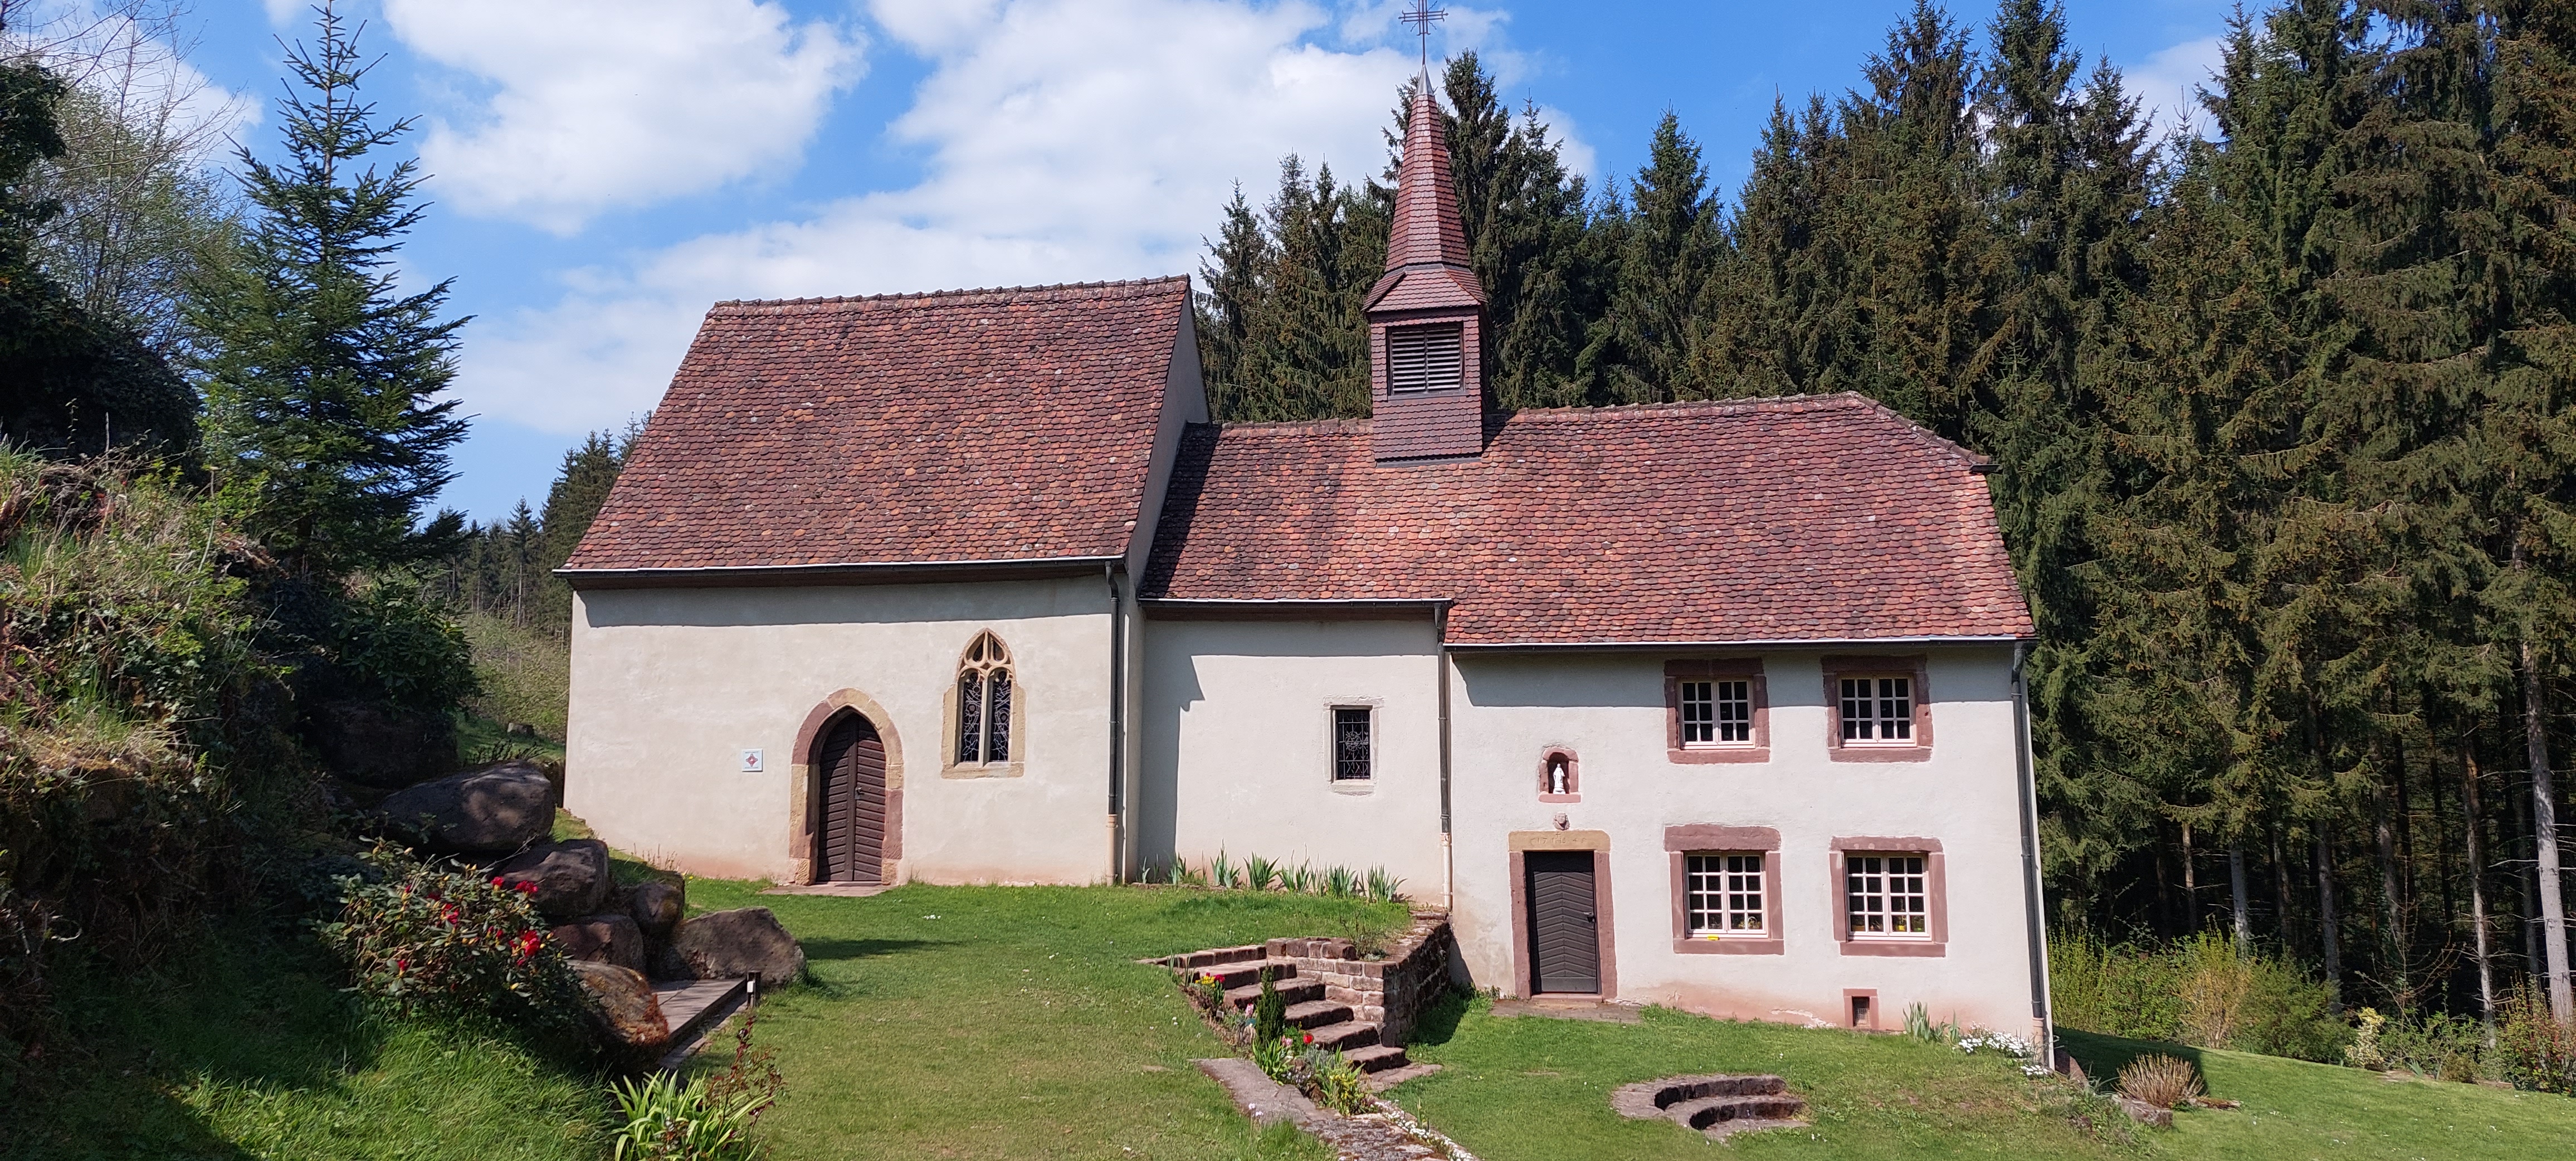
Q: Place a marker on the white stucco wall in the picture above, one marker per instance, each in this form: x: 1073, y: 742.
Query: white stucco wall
x: 1235, y: 729
x: 1610, y: 710
x: 670, y: 685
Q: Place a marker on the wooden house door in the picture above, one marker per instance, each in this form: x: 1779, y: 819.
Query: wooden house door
x: 1564, y: 934
x: 849, y: 842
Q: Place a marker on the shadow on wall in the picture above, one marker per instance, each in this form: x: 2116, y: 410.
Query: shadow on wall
x: 844, y: 605
x: 1594, y: 681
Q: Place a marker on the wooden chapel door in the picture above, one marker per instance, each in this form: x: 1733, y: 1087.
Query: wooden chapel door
x: 1564, y: 935
x: 849, y: 840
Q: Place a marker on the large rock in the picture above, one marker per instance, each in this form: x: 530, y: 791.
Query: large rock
x: 571, y: 878
x: 492, y: 811
x: 656, y: 907
x: 384, y: 746
x: 612, y: 939
x: 624, y: 1013
x: 730, y: 945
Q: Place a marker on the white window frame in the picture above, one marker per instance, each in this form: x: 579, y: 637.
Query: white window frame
x: 1875, y: 889
x: 1878, y: 694
x: 1726, y: 880
x: 1713, y: 720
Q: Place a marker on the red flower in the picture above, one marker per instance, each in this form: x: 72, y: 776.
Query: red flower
x: 527, y: 888
x: 1306, y: 1037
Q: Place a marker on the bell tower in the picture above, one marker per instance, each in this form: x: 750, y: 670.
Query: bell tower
x: 1426, y: 314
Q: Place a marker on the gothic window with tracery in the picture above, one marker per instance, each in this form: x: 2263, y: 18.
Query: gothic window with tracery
x: 984, y: 703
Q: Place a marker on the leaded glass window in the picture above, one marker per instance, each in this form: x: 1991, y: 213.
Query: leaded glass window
x: 984, y: 703
x: 1351, y: 743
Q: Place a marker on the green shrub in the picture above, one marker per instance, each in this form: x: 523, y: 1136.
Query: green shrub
x: 392, y: 639
x: 1270, y: 1012
x: 2534, y: 1051
x: 2199, y: 991
x: 431, y: 936
x: 667, y: 1119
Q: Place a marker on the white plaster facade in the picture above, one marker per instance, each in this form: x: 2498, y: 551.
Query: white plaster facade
x: 669, y: 686
x: 1237, y: 749
x: 1609, y: 709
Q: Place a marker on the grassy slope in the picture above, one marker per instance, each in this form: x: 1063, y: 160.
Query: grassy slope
x: 249, y: 1050
x: 2294, y: 1109
x: 995, y: 1022
x: 1534, y: 1089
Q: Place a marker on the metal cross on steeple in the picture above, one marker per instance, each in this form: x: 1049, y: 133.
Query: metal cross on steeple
x: 1420, y: 18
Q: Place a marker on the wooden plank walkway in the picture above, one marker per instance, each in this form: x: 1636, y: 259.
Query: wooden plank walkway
x: 693, y: 1009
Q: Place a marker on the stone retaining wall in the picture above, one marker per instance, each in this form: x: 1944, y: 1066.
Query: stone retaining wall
x: 1392, y: 992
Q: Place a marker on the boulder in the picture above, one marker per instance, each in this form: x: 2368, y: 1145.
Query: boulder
x: 492, y: 811
x: 730, y: 945
x: 571, y: 877
x: 656, y: 907
x: 624, y: 1013
x: 385, y: 746
x: 611, y: 939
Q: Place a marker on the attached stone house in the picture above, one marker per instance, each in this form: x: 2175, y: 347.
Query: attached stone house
x: 1709, y: 704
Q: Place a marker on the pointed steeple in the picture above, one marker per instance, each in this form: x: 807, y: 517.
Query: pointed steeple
x: 1426, y: 229
x: 1426, y: 314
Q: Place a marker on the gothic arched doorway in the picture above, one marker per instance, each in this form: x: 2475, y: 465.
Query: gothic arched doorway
x: 850, y: 787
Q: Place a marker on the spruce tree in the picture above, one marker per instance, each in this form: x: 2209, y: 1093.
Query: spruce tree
x: 322, y: 377
x: 1667, y: 246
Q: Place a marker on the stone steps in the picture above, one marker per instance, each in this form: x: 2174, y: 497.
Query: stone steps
x: 1291, y: 991
x: 1706, y: 1112
x: 1717, y: 1104
x: 1315, y: 1014
x: 1346, y: 1035
x: 1240, y: 971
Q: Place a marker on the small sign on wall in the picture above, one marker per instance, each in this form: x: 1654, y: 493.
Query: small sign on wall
x: 751, y: 762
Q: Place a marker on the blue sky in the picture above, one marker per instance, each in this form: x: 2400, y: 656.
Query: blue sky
x: 604, y: 169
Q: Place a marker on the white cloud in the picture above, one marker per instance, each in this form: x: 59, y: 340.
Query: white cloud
x: 2164, y: 83
x: 592, y: 104
x: 1065, y: 140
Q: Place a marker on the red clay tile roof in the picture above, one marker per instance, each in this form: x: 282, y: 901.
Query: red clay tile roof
x: 969, y: 425
x: 1426, y: 247
x: 1824, y: 518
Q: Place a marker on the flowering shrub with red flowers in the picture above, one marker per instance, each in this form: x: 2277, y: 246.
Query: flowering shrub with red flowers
x: 444, y: 936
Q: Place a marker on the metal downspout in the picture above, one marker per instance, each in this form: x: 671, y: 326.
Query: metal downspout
x: 2041, y: 1003
x: 1117, y: 725
x: 1448, y: 859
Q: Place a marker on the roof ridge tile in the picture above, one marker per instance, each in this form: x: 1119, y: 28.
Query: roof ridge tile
x: 1053, y: 291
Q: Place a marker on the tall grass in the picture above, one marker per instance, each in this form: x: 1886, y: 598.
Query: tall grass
x: 2199, y: 991
x: 526, y: 673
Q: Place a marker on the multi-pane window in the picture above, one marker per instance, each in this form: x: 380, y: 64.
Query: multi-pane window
x: 1724, y: 895
x: 1429, y: 358
x: 1884, y: 895
x: 1717, y: 712
x: 1878, y: 709
x: 984, y: 703
x: 1351, y: 743
x: 1699, y: 712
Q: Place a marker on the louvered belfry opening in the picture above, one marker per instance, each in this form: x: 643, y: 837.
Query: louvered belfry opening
x: 1426, y: 314
x: 1425, y: 358
x: 849, y: 832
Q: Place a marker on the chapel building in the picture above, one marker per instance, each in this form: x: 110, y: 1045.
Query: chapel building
x: 1714, y: 705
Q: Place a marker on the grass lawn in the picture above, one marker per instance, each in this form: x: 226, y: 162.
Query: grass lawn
x: 248, y: 1049
x: 2295, y: 1110
x: 996, y: 1022
x: 1536, y: 1089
